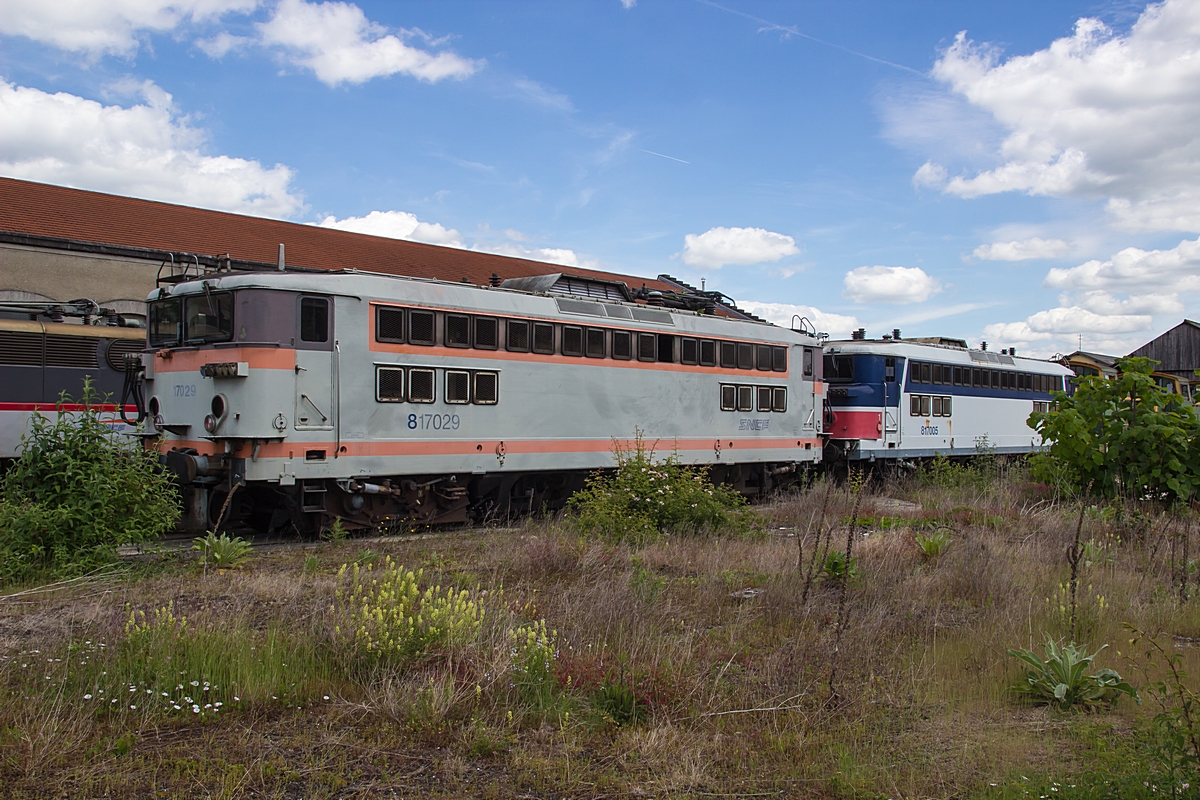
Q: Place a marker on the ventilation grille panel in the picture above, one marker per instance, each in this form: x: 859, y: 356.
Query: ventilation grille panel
x: 72, y: 351
x: 20, y: 349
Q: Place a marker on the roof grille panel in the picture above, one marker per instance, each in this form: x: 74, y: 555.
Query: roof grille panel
x: 72, y: 351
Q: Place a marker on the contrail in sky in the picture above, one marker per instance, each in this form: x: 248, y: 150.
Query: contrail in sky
x: 794, y: 31
x: 660, y: 155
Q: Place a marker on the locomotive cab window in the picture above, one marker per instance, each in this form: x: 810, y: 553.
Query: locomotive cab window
x: 808, y: 360
x: 389, y: 384
x: 314, y: 319
x: 889, y: 369
x: 164, y: 328
x: 421, y: 328
x: 389, y: 324
x: 208, y: 317
x: 421, y: 385
x: 518, y: 336
x: 840, y: 369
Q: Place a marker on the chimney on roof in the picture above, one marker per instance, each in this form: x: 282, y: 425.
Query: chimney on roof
x: 983, y: 345
x: 282, y: 263
x: 896, y: 334
x: 495, y: 280
x: 1012, y: 351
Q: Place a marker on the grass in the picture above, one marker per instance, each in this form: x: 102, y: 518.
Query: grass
x: 606, y: 669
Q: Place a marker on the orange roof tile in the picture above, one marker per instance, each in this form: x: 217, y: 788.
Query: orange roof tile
x: 40, y: 209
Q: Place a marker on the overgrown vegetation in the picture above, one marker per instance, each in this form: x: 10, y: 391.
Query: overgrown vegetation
x: 1061, y: 678
x: 76, y: 493
x: 647, y: 496
x: 553, y: 661
x: 1122, y: 438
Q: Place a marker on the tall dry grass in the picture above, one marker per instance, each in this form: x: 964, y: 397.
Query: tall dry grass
x: 696, y: 664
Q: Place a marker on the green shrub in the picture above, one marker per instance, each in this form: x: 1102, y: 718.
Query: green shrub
x: 221, y: 551
x: 534, y: 650
x: 646, y: 497
x: 385, y: 616
x: 1061, y: 679
x: 837, y: 568
x: 76, y: 492
x: 933, y: 545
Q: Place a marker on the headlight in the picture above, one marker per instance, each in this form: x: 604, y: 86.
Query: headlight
x: 210, y: 423
x: 219, y: 406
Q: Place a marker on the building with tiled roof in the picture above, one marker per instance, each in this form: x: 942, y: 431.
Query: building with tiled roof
x: 60, y: 244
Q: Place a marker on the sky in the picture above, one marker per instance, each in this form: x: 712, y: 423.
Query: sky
x: 1021, y: 173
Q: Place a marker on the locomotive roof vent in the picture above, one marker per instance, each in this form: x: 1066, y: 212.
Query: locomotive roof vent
x: 558, y: 283
x: 859, y: 334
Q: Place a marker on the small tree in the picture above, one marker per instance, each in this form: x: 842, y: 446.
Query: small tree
x: 77, y: 492
x: 1120, y: 438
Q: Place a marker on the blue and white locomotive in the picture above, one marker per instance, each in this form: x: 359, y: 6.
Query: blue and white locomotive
x: 894, y: 398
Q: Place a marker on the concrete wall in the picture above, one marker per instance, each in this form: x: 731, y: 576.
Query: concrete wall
x: 116, y: 282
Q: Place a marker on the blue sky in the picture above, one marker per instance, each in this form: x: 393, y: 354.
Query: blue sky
x: 1029, y: 182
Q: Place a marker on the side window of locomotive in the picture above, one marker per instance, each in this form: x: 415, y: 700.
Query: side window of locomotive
x: 543, y: 338
x: 926, y: 405
x: 389, y: 324
x: 708, y: 353
x: 689, y: 351
x: 314, y: 319
x: 914, y: 371
x: 728, y: 397
x: 487, y: 333
x: 421, y: 385
x: 937, y: 406
x: 458, y: 387
x: 572, y: 340
x: 926, y: 372
x: 647, y: 347
x: 779, y: 360
x: 762, y: 356
x: 487, y: 388
x: 914, y: 405
x: 729, y: 355
x: 779, y: 399
x: 958, y: 376
x: 889, y: 369
x: 594, y: 343
x: 457, y: 331
x: 764, y: 398
x: 421, y: 330
x: 622, y: 345
x: 389, y: 384
x: 666, y: 348
x: 164, y: 328
x: 745, y: 398
x: 745, y: 355
x: 518, y: 336
x: 946, y: 406
x: 208, y: 317
x: 808, y: 361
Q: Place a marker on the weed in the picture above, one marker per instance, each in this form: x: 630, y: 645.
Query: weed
x: 221, y: 551
x: 837, y: 568
x: 933, y: 545
x: 646, y: 497
x: 1061, y: 679
x: 534, y: 650
x: 385, y: 616
x: 334, y: 531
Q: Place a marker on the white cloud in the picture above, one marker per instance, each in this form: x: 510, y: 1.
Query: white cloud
x: 396, y: 225
x: 1095, y: 114
x: 930, y: 175
x: 339, y: 44
x: 717, y: 247
x: 100, y: 27
x: 890, y: 285
x: 628, y: 3
x: 551, y: 255
x: 1022, y: 250
x: 838, y: 326
x: 145, y: 150
x: 1136, y: 270
x: 222, y: 44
